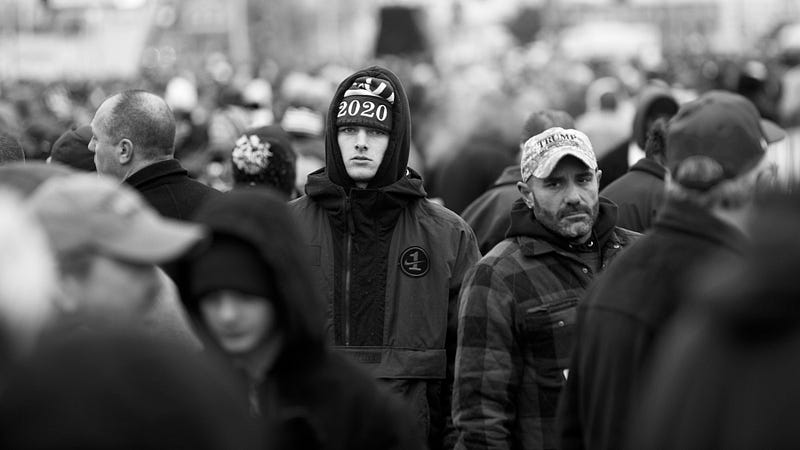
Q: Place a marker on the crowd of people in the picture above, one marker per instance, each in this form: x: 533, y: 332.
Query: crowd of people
x: 294, y: 272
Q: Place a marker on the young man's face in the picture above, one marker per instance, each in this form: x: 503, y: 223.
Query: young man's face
x: 239, y: 322
x: 362, y: 151
x: 567, y: 201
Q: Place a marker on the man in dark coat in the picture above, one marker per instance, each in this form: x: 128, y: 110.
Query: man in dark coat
x: 490, y: 214
x: 715, y: 151
x: 389, y: 261
x: 134, y: 140
x: 653, y: 102
x: 725, y: 373
x: 640, y: 192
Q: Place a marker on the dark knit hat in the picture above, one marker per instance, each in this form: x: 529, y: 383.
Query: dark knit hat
x: 367, y: 103
x: 72, y: 149
x: 231, y: 264
x: 264, y: 156
x: 539, y: 121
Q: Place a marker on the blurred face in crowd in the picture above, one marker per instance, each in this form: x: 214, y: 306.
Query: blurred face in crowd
x: 104, y: 147
x: 567, y: 201
x: 362, y: 151
x: 239, y: 322
x: 114, y: 291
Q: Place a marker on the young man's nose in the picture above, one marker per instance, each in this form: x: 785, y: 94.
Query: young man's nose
x: 361, y: 139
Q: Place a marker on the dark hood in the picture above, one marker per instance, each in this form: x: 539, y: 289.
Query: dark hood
x: 261, y: 218
x: 653, y: 99
x: 524, y: 223
x: 395, y: 160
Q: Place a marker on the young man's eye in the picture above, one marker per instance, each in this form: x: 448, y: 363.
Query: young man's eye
x: 347, y: 130
x: 374, y: 132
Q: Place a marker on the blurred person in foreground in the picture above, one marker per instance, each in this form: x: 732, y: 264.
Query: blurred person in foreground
x: 264, y: 157
x: 133, y: 140
x: 388, y: 261
x: 251, y: 296
x: 725, y: 373
x: 639, y: 193
x: 28, y: 282
x: 655, y: 100
x: 108, y: 243
x: 715, y: 154
x: 489, y: 214
x: 122, y: 390
x: 517, y: 312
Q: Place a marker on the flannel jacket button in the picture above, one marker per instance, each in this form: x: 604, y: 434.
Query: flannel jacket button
x: 616, y: 245
x: 561, y: 323
x: 585, y: 270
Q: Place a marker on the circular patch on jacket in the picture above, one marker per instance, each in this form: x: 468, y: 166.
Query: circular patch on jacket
x: 414, y: 262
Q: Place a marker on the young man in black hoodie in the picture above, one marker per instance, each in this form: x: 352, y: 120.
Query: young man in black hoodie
x: 517, y: 311
x: 389, y: 261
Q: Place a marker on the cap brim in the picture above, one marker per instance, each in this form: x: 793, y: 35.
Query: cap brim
x: 544, y: 169
x: 772, y: 132
x: 154, y: 240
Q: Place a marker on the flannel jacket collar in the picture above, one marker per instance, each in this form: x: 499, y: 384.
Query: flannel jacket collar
x: 524, y: 223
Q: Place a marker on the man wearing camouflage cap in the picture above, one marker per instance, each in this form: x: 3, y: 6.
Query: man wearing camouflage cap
x: 517, y: 310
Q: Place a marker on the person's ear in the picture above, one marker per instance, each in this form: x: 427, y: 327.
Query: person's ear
x: 125, y: 151
x: 526, y: 193
x: 598, y: 175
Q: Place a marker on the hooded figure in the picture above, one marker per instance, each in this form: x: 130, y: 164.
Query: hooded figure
x: 389, y: 261
x: 249, y: 295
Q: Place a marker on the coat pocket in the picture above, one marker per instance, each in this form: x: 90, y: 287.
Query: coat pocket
x: 550, y: 333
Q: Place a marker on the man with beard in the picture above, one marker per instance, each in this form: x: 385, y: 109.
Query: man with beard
x: 517, y: 309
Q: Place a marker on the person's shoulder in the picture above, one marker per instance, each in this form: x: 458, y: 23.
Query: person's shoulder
x: 440, y: 213
x: 626, y: 236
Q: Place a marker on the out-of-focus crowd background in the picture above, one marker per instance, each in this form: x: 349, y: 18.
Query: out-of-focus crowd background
x: 473, y: 68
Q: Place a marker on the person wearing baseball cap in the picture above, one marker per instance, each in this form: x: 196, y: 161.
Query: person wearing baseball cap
x: 518, y: 305
x: 715, y: 155
x: 108, y: 242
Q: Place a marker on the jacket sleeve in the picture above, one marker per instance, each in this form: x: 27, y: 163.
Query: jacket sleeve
x: 466, y: 258
x: 488, y: 363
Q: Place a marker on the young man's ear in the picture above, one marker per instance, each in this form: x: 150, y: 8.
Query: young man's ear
x: 526, y: 193
x: 125, y: 151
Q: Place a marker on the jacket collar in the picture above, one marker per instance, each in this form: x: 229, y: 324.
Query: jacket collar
x: 649, y: 166
x: 156, y: 170
x: 524, y: 223
x: 333, y: 197
x: 689, y: 219
x: 509, y: 176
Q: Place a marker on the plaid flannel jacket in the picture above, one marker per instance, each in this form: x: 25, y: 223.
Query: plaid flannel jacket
x: 515, y: 336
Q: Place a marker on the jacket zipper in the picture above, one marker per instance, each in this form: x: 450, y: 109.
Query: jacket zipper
x: 347, y: 270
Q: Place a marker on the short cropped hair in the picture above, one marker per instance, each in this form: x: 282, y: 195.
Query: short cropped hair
x: 146, y: 120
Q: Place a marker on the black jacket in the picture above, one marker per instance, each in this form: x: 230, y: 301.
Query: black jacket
x: 625, y: 311
x: 490, y: 214
x: 638, y: 194
x: 166, y: 185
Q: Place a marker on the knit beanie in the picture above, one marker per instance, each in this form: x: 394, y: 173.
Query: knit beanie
x: 264, y: 156
x: 72, y: 149
x: 231, y: 263
x: 367, y: 103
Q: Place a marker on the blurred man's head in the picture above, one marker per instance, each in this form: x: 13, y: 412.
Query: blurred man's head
x: 131, y: 130
x: 715, y: 150
x: 560, y: 182
x: 10, y: 149
x: 108, y: 242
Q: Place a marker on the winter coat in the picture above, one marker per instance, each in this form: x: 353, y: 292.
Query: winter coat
x: 389, y: 262
x: 638, y: 195
x: 515, y: 332
x: 490, y: 214
x: 167, y: 187
x: 617, y: 327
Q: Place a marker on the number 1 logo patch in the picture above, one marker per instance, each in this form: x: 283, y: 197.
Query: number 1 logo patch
x: 414, y: 262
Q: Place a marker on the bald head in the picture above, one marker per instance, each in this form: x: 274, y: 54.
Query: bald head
x: 144, y: 119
